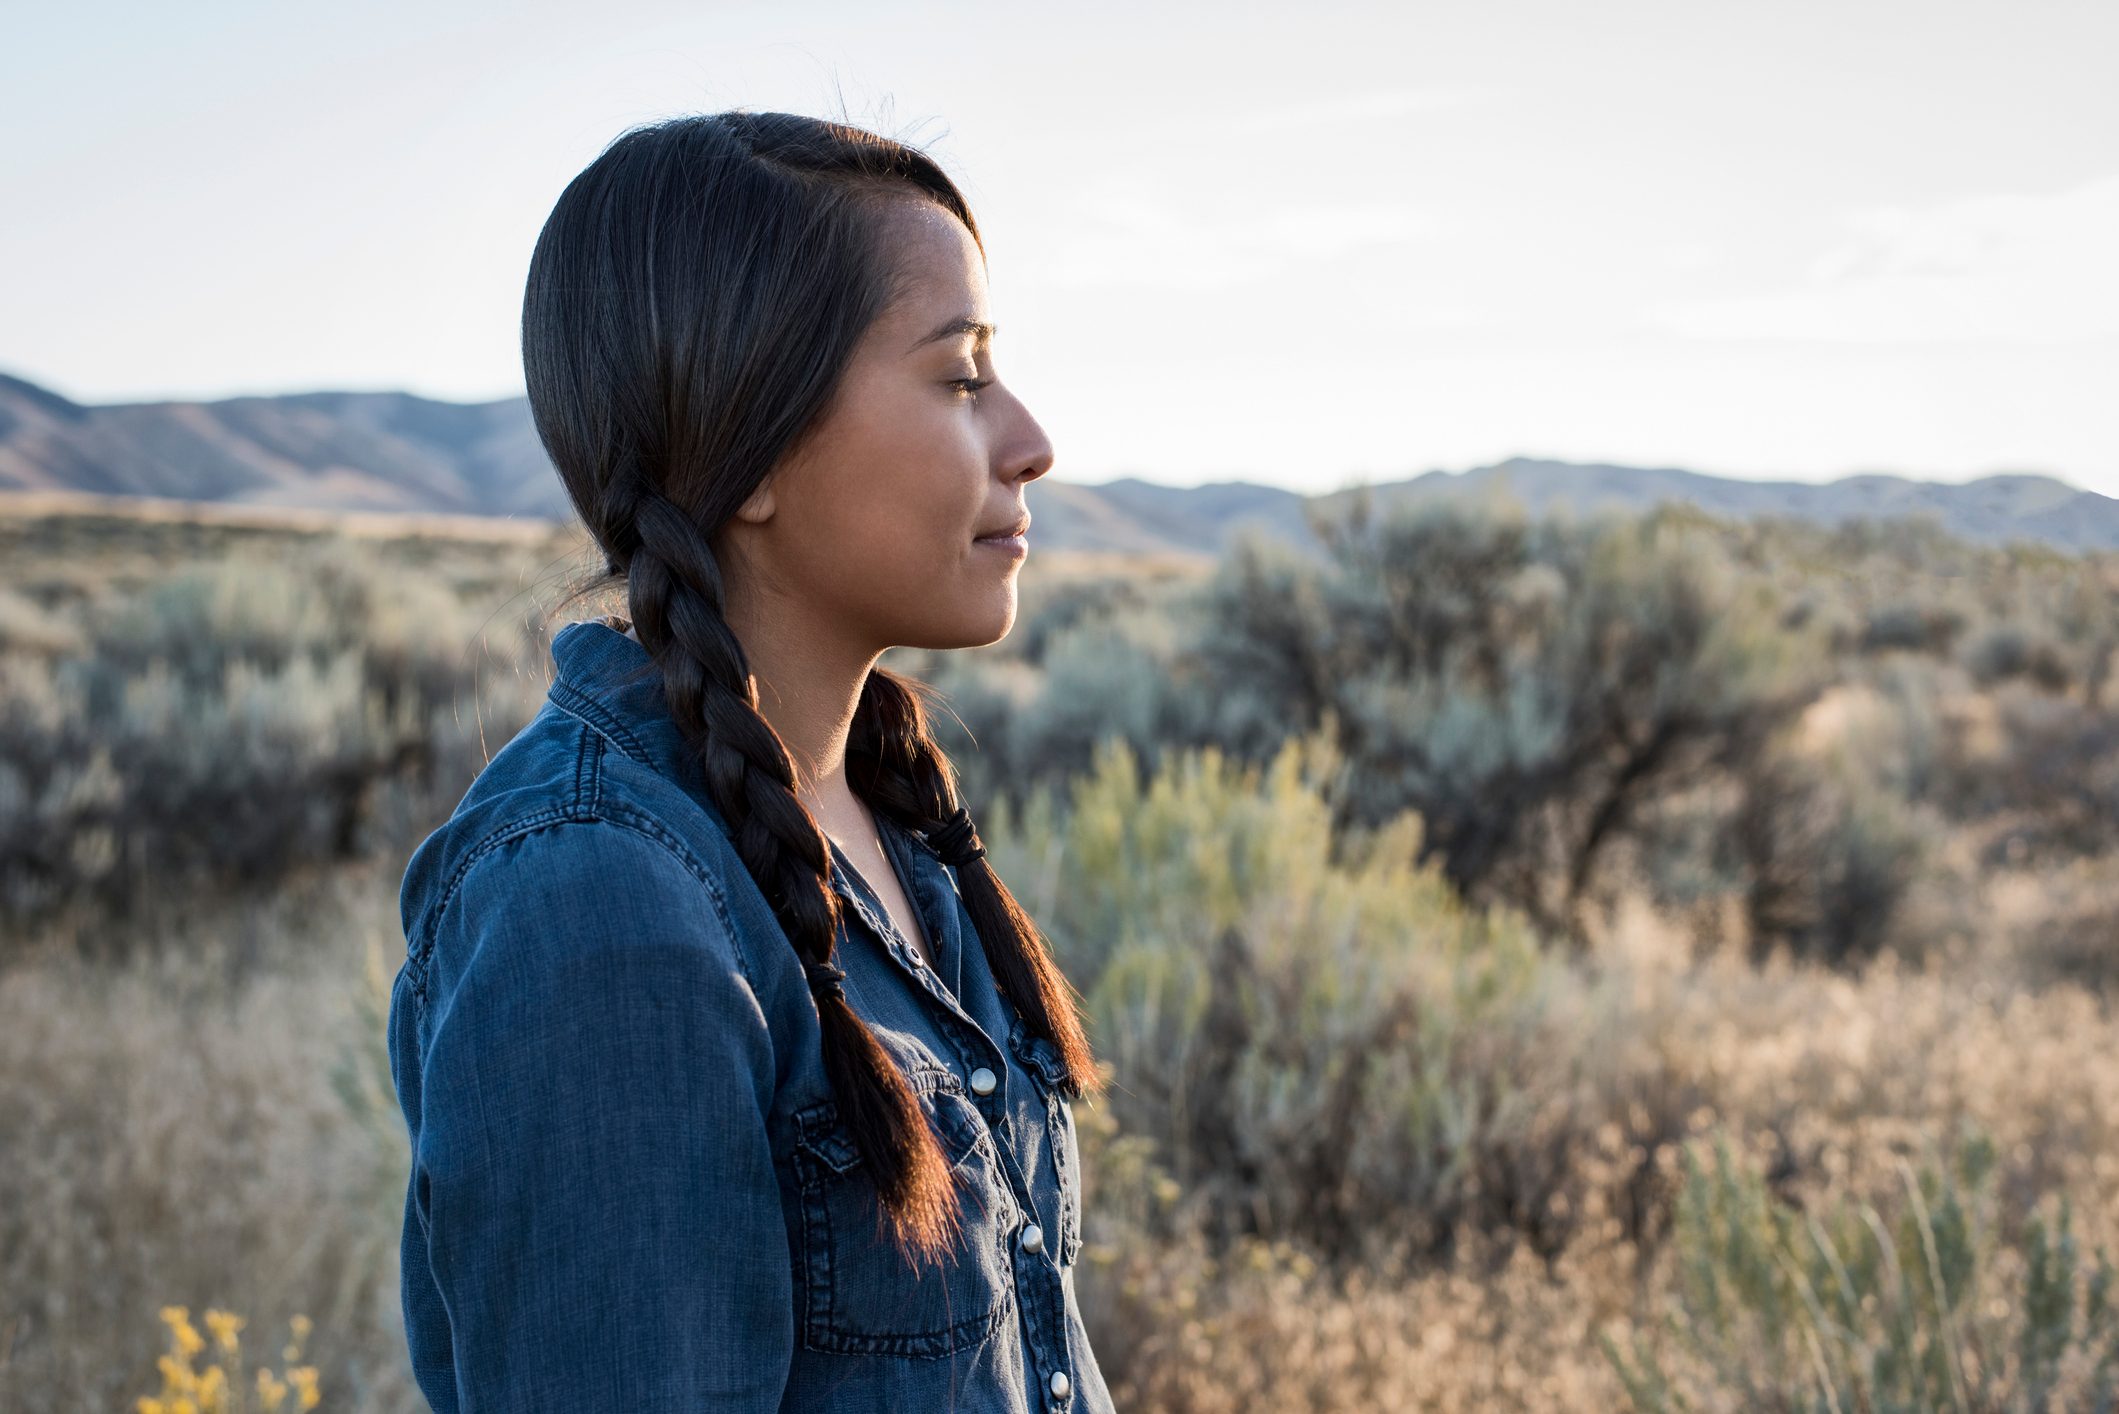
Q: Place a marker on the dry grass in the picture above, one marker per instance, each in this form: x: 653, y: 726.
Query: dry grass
x: 162, y: 510
x: 1834, y: 1080
x: 176, y: 1137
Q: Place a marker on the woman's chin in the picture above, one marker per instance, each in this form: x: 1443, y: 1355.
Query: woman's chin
x: 995, y: 626
x: 985, y: 620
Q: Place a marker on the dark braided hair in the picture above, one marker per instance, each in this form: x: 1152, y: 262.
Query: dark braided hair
x: 692, y: 302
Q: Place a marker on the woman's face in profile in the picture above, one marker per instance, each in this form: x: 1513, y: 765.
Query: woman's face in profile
x: 871, y: 526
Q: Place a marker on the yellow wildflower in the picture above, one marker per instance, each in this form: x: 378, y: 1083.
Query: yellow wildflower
x: 146, y: 1405
x: 212, y: 1386
x: 304, y: 1378
x: 183, y: 1406
x: 176, y: 1374
x: 224, y: 1325
x: 176, y: 1315
x: 270, y: 1391
x: 189, y: 1341
x: 301, y: 1327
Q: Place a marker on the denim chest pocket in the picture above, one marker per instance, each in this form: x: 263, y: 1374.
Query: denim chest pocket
x: 855, y: 1292
x: 1047, y: 1074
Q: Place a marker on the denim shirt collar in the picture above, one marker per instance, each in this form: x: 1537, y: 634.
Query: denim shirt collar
x: 606, y: 677
x: 928, y: 887
x: 600, y: 674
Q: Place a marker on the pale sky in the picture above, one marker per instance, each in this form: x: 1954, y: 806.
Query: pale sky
x: 1306, y: 244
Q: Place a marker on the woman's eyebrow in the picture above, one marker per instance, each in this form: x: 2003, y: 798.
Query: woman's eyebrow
x: 963, y: 324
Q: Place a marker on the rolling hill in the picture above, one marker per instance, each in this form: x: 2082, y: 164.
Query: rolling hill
x: 395, y: 452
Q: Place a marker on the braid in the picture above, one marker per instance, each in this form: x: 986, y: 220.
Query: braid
x: 892, y: 759
x: 674, y: 583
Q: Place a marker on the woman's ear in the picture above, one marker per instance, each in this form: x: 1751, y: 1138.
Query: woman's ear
x: 758, y: 509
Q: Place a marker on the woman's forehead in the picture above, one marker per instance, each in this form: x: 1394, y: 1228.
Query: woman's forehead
x: 941, y: 285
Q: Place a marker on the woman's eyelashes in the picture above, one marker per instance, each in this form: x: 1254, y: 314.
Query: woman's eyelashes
x: 970, y: 385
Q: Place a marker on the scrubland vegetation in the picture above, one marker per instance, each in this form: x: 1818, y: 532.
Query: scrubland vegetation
x: 1637, y: 964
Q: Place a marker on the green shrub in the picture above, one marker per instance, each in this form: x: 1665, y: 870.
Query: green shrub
x: 1312, y: 1031
x: 226, y: 722
x: 1532, y: 689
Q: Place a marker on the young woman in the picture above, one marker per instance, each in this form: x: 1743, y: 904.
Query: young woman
x: 736, y: 1078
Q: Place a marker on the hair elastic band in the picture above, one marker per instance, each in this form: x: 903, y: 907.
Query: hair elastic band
x: 955, y: 840
x: 824, y: 979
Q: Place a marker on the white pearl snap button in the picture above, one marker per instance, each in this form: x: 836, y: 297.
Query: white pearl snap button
x: 1059, y: 1382
x: 1033, y: 1238
x: 982, y: 1081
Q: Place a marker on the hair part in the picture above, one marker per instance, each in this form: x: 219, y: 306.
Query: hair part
x: 693, y: 302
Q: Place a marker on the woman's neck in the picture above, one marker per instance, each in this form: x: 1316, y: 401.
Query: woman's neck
x: 825, y: 794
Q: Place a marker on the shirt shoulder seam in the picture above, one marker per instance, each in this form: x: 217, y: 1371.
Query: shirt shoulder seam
x: 589, y: 805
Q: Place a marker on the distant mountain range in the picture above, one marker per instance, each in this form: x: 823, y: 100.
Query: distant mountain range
x: 397, y: 452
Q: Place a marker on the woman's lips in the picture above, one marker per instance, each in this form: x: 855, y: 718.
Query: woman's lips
x: 1014, y: 545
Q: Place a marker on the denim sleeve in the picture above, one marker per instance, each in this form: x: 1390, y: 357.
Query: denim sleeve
x: 604, y: 1221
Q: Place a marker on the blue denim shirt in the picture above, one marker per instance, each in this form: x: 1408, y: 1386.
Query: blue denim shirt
x: 630, y: 1188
